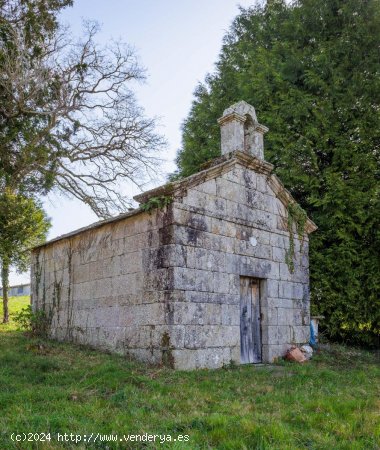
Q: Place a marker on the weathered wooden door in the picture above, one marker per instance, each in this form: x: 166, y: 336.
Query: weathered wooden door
x: 250, y: 315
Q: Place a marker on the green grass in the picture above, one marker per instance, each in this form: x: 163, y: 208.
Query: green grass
x: 15, y: 304
x: 332, y: 402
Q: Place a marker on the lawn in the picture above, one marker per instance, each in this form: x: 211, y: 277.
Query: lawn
x: 332, y: 402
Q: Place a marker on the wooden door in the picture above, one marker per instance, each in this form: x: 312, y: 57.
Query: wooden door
x: 250, y: 315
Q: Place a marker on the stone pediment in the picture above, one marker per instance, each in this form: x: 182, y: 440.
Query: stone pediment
x: 218, y: 167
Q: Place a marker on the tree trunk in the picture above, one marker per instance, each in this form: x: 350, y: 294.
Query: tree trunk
x: 5, y: 283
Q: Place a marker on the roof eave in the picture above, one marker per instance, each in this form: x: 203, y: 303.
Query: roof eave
x: 212, y: 169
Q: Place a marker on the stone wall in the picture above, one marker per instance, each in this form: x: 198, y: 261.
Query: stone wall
x: 213, y: 227
x: 100, y: 287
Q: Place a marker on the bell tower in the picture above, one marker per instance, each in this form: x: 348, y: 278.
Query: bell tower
x: 240, y: 130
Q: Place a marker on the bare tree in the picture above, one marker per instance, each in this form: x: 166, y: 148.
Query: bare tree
x: 69, y: 118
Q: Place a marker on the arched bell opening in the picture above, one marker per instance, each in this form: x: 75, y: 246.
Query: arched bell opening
x: 240, y: 130
x: 249, y: 134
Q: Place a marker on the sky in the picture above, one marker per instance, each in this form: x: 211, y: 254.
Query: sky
x: 178, y: 43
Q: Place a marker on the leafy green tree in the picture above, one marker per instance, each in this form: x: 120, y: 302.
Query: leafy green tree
x: 311, y: 69
x: 23, y: 224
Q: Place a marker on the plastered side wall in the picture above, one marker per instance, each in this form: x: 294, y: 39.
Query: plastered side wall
x: 213, y: 225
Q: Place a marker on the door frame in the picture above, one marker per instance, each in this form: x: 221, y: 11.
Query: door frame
x: 261, y: 283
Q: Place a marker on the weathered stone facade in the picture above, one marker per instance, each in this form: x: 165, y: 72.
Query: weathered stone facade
x: 165, y: 286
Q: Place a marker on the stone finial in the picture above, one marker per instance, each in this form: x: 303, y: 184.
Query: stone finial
x: 240, y: 130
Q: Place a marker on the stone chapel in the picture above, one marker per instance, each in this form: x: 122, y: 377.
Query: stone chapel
x: 214, y: 273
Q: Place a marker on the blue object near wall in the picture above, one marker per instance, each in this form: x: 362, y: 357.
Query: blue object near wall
x: 313, y: 340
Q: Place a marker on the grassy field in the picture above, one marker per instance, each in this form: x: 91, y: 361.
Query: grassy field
x: 16, y: 304
x: 330, y: 403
